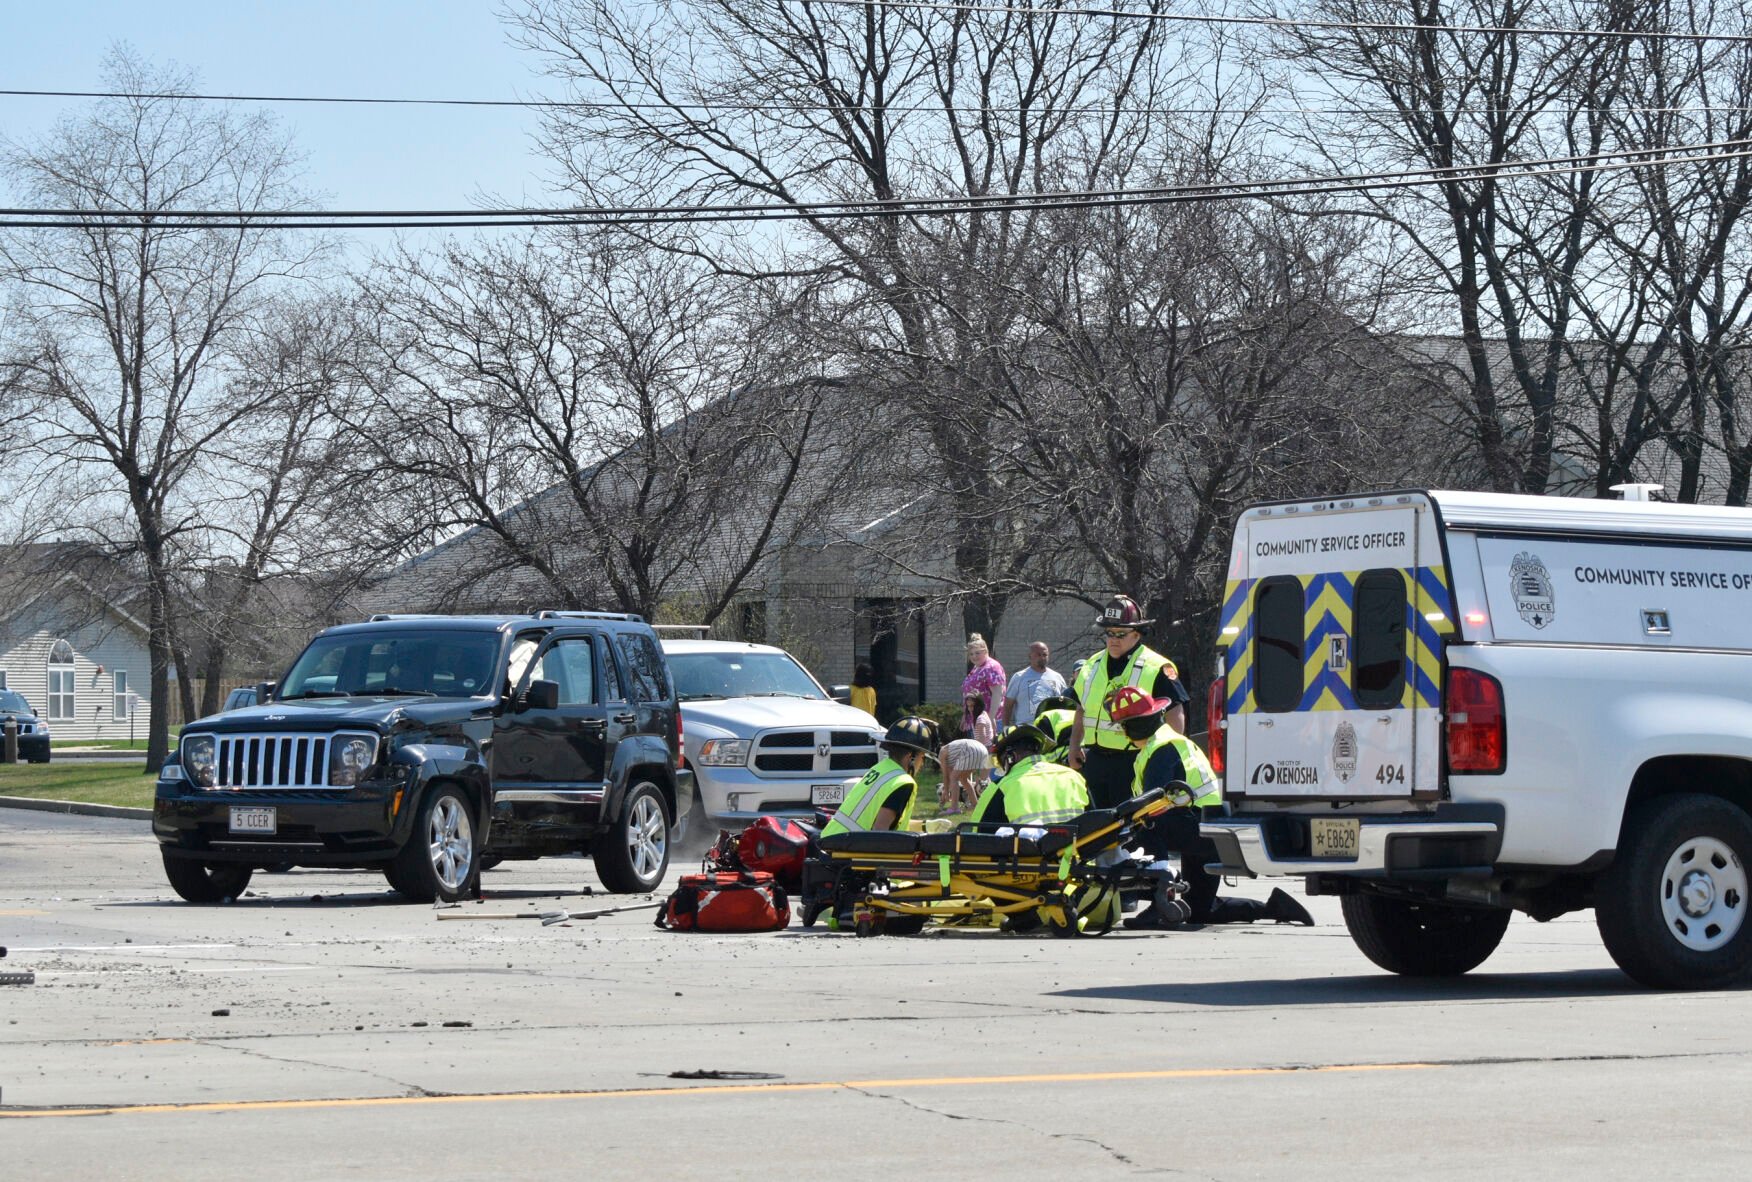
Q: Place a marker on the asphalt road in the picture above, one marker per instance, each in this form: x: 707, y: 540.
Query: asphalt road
x: 1229, y: 1053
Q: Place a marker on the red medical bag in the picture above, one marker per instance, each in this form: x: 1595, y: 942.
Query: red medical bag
x: 745, y: 902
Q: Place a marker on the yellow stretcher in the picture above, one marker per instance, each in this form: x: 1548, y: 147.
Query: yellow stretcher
x: 1068, y: 878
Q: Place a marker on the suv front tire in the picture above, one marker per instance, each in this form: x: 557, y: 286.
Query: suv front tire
x: 633, y: 855
x: 441, y: 859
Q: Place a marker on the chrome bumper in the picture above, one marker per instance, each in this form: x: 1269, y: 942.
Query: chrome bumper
x: 1387, y: 845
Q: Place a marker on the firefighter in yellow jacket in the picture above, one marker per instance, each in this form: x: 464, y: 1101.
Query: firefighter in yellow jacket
x: 1097, y: 746
x: 884, y: 798
x: 1164, y: 756
x: 1033, y: 790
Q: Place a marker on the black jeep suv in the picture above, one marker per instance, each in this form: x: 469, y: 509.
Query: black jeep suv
x: 425, y: 745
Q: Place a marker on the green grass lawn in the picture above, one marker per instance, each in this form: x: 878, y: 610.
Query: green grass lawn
x: 108, y: 744
x: 93, y: 783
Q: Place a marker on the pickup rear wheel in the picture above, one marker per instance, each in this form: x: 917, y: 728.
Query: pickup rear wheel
x: 632, y: 856
x: 1672, y: 906
x: 205, y: 882
x: 1417, y: 938
x: 441, y: 859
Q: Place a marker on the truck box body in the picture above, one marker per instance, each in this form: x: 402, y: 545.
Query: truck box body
x: 1464, y: 695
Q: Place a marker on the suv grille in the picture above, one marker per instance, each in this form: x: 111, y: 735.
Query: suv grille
x: 271, y: 761
x: 806, y: 753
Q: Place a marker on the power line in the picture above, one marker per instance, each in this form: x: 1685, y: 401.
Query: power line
x: 754, y: 107
x: 1278, y: 22
x: 911, y: 207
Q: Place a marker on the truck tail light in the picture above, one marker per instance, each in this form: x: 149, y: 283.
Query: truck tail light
x: 1477, y: 730
x: 1216, y: 723
x: 680, y: 750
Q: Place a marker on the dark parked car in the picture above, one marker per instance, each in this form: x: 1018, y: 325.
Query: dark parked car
x: 425, y: 745
x: 33, y: 732
x: 237, y: 699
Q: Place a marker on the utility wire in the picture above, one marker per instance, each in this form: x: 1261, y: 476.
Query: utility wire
x: 897, y: 203
x: 903, y: 108
x: 1276, y: 22
x: 922, y: 207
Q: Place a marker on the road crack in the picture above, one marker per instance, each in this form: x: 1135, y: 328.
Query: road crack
x: 1082, y: 1138
x: 408, y: 1089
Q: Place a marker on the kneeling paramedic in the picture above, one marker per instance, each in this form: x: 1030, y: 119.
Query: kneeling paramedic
x: 1032, y: 790
x: 884, y: 798
x: 1164, y: 755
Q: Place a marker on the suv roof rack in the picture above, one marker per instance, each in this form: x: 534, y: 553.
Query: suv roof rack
x: 379, y: 617
x: 697, y: 631
x: 555, y: 614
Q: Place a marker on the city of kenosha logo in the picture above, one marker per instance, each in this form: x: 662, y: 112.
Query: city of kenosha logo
x: 1530, y: 583
x: 1344, y: 752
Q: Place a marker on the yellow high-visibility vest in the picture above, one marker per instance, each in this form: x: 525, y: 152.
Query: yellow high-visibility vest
x: 865, y: 799
x: 1092, y: 688
x: 1198, y: 768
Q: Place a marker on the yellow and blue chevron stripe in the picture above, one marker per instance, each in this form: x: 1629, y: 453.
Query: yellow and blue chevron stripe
x: 1328, y: 611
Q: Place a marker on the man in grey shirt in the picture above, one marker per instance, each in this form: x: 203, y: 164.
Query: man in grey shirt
x: 1032, y: 686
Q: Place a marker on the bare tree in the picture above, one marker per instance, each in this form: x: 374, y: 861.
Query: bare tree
x: 126, y: 331
x: 283, y: 494
x: 791, y: 100
x: 615, y: 425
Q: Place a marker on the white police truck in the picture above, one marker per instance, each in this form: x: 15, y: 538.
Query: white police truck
x: 1446, y: 707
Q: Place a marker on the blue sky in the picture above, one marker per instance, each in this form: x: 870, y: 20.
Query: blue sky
x: 357, y: 157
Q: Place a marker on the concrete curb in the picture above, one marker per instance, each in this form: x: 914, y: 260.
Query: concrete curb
x: 74, y: 806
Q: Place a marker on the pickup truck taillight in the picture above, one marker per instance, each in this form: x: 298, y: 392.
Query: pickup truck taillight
x: 1478, y: 732
x: 680, y: 750
x: 1216, y: 723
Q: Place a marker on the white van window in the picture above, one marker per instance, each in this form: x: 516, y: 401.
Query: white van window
x: 1378, y: 608
x: 1277, y: 651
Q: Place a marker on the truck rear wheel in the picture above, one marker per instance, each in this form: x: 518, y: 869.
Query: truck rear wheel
x: 1416, y: 938
x: 1672, y: 906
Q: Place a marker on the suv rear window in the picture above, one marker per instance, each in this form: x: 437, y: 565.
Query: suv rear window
x: 647, y: 674
x: 1277, y: 648
x: 1378, y: 607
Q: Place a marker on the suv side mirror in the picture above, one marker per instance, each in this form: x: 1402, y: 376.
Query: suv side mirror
x: 265, y: 692
x: 840, y: 693
x: 541, y: 695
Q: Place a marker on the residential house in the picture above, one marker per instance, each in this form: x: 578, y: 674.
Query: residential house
x: 71, y: 643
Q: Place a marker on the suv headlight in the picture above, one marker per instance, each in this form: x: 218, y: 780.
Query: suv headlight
x: 42, y: 728
x: 724, y: 752
x: 350, y: 757
x: 197, y: 759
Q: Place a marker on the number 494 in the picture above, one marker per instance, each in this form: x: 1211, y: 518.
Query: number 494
x: 1390, y: 773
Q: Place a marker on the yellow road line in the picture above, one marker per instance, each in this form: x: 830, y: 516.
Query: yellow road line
x: 946, y: 1081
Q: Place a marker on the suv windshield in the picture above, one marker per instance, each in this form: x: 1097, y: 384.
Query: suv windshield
x: 13, y: 703
x: 445, y: 664
x: 740, y: 675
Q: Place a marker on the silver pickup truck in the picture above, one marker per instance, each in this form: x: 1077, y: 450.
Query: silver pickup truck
x: 761, y: 734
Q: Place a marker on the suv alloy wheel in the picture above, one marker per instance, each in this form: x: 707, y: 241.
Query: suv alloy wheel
x: 441, y: 859
x: 633, y: 855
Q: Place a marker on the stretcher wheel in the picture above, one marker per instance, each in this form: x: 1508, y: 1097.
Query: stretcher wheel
x: 1068, y: 909
x: 867, y: 925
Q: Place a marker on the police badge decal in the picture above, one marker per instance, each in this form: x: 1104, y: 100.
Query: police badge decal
x: 1530, y: 583
x: 1344, y: 752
